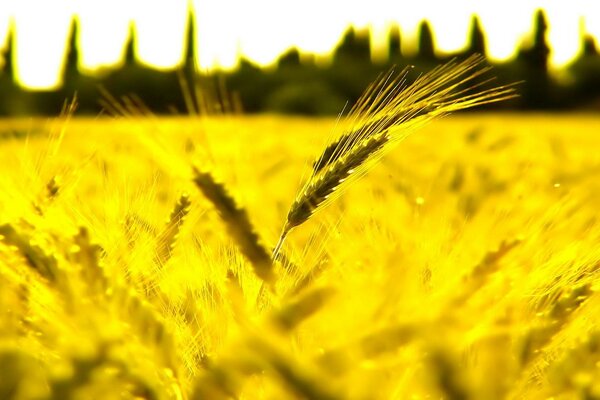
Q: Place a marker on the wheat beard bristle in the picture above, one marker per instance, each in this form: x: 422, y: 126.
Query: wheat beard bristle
x: 387, y: 112
x: 348, y: 140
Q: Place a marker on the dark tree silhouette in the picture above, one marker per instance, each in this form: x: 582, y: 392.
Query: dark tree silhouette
x: 394, y: 43
x: 589, y: 46
x: 538, y: 55
x: 586, y: 71
x: 130, y: 48
x: 72, y: 59
x: 190, y: 43
x: 354, y: 45
x: 533, y: 66
x: 8, y: 56
x: 476, y: 37
x: 426, y: 49
x: 289, y: 59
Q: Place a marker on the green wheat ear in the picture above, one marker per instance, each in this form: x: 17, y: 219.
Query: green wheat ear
x: 387, y: 113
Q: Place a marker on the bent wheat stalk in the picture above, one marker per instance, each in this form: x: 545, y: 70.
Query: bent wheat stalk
x: 387, y: 113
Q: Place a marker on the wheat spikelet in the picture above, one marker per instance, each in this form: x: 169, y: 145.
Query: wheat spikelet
x: 339, y: 360
x: 238, y: 224
x: 52, y: 189
x: 480, y: 275
x: 580, y: 359
x: 448, y: 374
x: 35, y: 257
x: 552, y: 321
x: 292, y: 314
x: 302, y: 380
x: 166, y: 239
x: 87, y: 367
x: 315, y: 195
x: 535, y: 346
x: 387, y: 113
x: 15, y: 369
x: 88, y: 256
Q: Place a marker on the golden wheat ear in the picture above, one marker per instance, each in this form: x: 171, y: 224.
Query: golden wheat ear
x: 238, y: 224
x: 386, y: 113
x: 165, y: 241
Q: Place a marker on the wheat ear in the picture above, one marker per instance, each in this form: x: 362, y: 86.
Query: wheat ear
x: 386, y: 113
x: 36, y: 258
x: 166, y: 239
x: 238, y: 224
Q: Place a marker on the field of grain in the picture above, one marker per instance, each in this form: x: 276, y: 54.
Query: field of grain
x: 463, y: 266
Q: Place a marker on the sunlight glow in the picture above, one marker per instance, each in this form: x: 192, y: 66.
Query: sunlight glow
x: 216, y: 38
x: 451, y: 24
x: 409, y: 19
x: 103, y: 31
x: 591, y: 11
x: 564, y: 34
x: 507, y: 25
x: 314, y: 32
x: 261, y: 30
x: 160, y: 27
x: 262, y: 37
x: 40, y: 43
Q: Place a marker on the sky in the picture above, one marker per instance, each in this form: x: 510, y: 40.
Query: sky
x: 261, y: 30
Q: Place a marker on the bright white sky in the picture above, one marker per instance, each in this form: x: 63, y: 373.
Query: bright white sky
x: 262, y: 29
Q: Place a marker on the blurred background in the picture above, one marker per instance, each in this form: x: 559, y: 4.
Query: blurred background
x: 309, y: 57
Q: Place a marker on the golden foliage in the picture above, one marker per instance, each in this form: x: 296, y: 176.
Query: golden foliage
x: 464, y: 266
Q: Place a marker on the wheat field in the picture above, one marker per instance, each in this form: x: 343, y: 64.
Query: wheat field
x: 463, y: 266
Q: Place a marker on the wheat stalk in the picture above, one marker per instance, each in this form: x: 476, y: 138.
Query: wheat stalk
x: 385, y: 114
